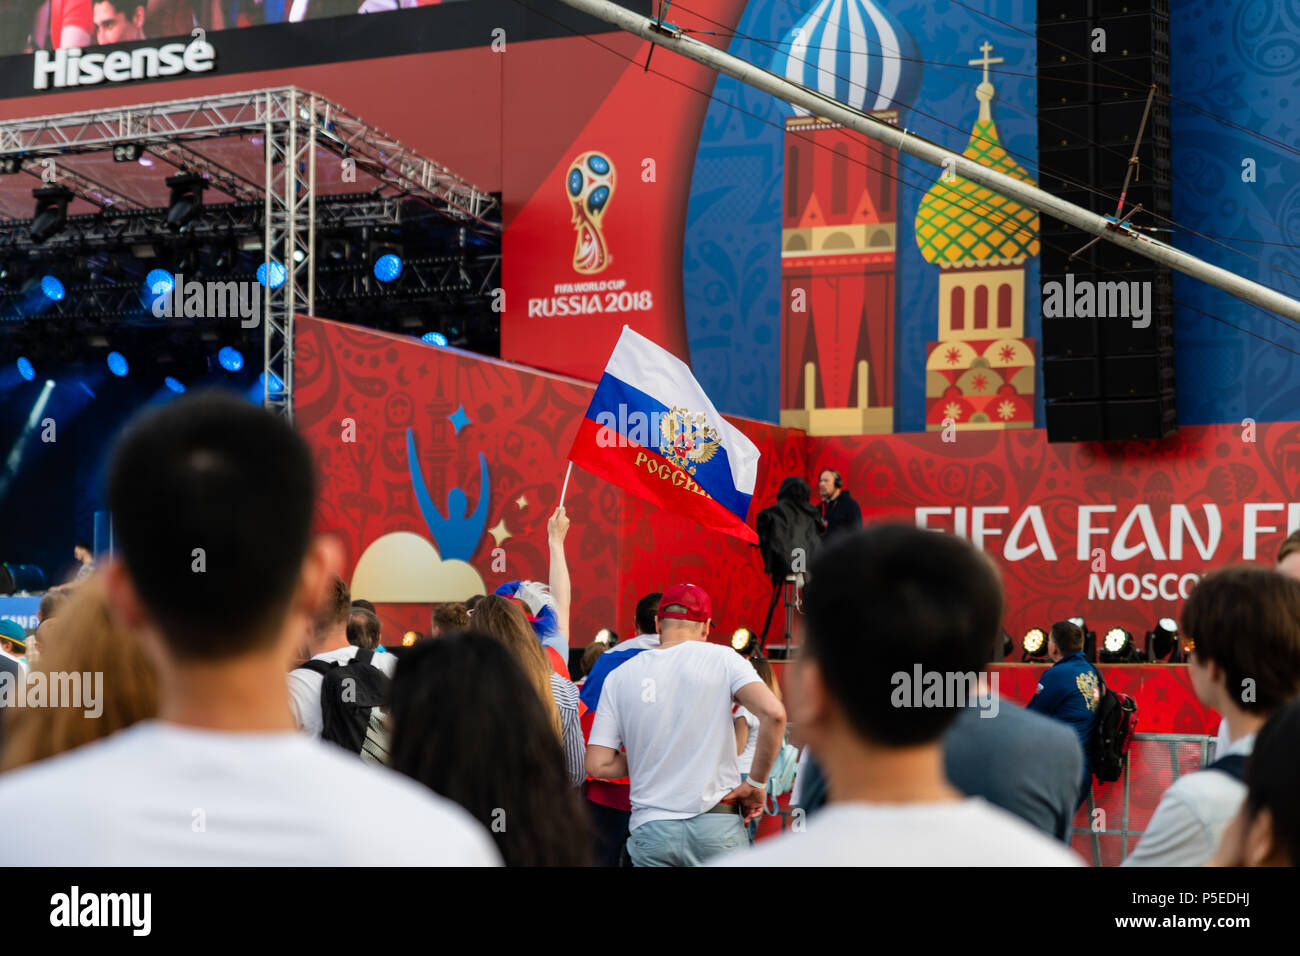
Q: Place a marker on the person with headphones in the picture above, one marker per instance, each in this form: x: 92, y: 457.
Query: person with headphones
x: 839, y: 512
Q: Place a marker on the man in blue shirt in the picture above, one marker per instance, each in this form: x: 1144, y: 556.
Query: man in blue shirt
x: 1070, y: 690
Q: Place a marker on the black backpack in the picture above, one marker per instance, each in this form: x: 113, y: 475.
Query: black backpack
x: 1117, y: 717
x: 353, y: 698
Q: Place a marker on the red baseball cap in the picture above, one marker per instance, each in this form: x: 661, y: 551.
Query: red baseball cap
x: 690, y: 596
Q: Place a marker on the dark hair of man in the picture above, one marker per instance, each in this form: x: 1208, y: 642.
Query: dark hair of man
x: 646, y: 608
x: 449, y: 696
x: 212, y: 501
x: 1290, y: 544
x: 1273, y: 779
x: 363, y: 629
x: 1068, y: 636
x: 336, y: 607
x: 473, y: 601
x: 1247, y: 620
x: 125, y: 7
x: 884, y: 600
x: 52, y: 603
x: 450, y: 617
x: 363, y: 603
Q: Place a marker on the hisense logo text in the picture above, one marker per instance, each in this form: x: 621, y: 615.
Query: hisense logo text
x: 70, y: 68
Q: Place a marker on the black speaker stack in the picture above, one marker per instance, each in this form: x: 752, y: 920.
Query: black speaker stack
x: 1105, y: 379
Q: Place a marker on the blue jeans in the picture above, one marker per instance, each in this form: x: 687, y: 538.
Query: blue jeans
x: 688, y: 842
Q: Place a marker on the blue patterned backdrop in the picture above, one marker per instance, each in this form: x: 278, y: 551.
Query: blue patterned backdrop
x: 1233, y: 60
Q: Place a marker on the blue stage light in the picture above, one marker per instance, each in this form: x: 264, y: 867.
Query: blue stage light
x: 278, y: 274
x: 26, y: 369
x: 388, y: 267
x: 159, y: 281
x: 434, y: 338
x: 232, y: 360
x: 277, y: 386
x: 52, y: 288
x: 174, y: 385
x: 117, y: 364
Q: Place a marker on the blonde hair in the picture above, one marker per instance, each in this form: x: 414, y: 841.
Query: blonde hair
x: 501, y: 618
x: 84, y: 640
x: 763, y: 667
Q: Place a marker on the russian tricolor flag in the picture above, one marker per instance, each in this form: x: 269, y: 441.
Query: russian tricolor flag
x: 652, y: 431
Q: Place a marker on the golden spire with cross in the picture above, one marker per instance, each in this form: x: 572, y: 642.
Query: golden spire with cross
x: 984, y: 92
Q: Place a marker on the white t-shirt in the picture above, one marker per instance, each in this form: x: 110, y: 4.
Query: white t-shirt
x: 670, y: 707
x: 159, y: 794
x: 305, y: 685
x: 746, y: 758
x: 969, y: 832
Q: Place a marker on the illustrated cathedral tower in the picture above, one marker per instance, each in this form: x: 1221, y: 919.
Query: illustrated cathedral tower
x: 980, y: 373
x: 839, y: 222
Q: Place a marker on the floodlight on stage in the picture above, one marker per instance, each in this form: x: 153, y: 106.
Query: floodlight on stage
x: 409, y: 638
x: 276, y: 272
x: 127, y: 152
x: 159, y: 281
x: 52, y: 288
x: 602, y: 636
x: 117, y: 364
x: 186, y: 199
x: 1162, y: 641
x: 26, y: 369
x: 51, y: 213
x: 434, y: 338
x: 388, y: 267
x: 1034, y: 643
x: 174, y: 385
x: 1117, y: 645
x: 10, y: 165
x: 231, y: 359
x: 743, y: 641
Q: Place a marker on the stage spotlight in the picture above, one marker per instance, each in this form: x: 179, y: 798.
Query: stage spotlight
x: 1034, y: 644
x: 434, y: 338
x: 52, y: 288
x: 1117, y: 646
x: 117, y: 364
x: 277, y: 274
x: 409, y: 638
x: 26, y: 369
x: 186, y: 199
x: 603, y: 636
x: 388, y: 267
x: 1163, y: 642
x: 174, y: 385
x: 159, y: 282
x: 743, y: 641
x: 127, y: 152
x: 277, y: 386
x: 51, y: 211
x: 10, y: 165
x: 232, y: 360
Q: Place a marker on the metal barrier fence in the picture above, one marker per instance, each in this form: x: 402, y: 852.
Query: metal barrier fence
x: 1153, y: 763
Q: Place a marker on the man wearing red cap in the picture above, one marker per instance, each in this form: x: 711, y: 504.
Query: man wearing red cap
x: 670, y: 708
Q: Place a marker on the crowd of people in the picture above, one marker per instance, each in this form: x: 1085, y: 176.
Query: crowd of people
x: 251, y: 706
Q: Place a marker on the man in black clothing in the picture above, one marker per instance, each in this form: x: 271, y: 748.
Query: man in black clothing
x: 839, y: 512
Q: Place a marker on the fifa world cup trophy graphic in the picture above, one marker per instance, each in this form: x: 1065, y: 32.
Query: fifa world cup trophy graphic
x: 589, y: 186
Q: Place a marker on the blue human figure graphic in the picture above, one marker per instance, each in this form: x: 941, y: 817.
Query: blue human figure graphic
x: 458, y: 534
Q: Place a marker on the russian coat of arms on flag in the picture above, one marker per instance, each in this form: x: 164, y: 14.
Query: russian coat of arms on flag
x: 651, y: 430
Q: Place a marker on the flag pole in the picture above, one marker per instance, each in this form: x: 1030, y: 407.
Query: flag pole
x: 565, y: 489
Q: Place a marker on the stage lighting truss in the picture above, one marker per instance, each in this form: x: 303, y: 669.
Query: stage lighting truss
x: 295, y: 126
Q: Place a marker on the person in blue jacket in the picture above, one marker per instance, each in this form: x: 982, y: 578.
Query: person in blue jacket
x: 1070, y: 690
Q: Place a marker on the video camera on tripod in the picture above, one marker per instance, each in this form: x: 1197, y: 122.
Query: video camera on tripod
x: 788, y: 540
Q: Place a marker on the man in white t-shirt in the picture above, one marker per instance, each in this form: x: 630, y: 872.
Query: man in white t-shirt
x: 887, y: 609
x: 670, y: 707
x: 218, y: 576
x: 327, y: 641
x: 1241, y: 626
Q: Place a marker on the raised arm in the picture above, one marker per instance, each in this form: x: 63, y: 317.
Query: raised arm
x: 557, y: 526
